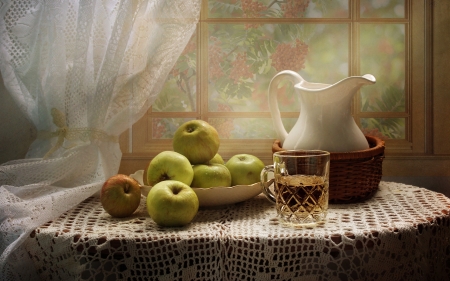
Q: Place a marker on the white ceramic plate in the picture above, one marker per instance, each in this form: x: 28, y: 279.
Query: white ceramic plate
x: 214, y: 196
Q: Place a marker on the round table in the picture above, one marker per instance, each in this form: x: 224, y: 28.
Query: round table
x: 402, y: 233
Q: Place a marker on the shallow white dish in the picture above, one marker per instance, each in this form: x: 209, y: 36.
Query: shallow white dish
x: 214, y: 196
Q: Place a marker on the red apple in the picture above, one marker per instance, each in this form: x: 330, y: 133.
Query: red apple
x: 120, y: 195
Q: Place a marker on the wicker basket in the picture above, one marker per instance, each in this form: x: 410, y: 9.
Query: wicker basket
x: 354, y: 176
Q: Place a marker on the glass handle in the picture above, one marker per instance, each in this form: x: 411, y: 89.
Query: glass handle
x: 265, y: 183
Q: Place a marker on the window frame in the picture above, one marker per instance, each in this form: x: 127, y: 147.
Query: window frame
x: 138, y: 147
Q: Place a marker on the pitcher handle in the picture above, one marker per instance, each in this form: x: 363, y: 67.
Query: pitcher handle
x: 273, y: 102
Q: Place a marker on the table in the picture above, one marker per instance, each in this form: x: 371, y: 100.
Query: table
x: 402, y: 233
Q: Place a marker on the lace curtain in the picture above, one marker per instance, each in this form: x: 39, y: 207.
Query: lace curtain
x: 82, y: 72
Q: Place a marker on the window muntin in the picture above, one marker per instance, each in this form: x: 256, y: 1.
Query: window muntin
x: 222, y: 76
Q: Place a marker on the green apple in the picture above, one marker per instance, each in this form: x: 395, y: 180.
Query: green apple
x: 172, y: 203
x: 120, y: 195
x: 197, y: 140
x: 217, y: 159
x: 245, y: 169
x: 169, y: 165
x: 206, y: 176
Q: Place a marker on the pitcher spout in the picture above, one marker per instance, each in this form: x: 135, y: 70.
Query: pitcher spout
x: 345, y: 89
x: 349, y: 83
x: 356, y: 82
x: 370, y: 78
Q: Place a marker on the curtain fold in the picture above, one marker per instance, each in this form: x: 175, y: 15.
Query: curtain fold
x: 82, y: 72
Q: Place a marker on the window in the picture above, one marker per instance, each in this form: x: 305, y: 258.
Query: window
x: 224, y: 72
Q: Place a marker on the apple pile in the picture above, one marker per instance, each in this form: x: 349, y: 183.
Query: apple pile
x: 195, y: 160
x: 193, y: 163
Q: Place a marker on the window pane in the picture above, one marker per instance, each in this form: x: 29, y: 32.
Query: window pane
x: 243, y: 60
x: 164, y: 128
x: 179, y: 91
x: 393, y: 128
x: 382, y: 49
x: 248, y: 128
x: 277, y: 9
x: 382, y: 8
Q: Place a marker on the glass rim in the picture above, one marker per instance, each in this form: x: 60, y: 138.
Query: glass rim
x: 302, y: 153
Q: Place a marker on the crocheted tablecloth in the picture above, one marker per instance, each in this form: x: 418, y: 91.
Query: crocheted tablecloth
x: 402, y: 233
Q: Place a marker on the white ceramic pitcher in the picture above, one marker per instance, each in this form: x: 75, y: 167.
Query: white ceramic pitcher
x: 325, y: 120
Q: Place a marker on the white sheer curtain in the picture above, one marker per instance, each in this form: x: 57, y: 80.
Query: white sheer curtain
x: 82, y: 72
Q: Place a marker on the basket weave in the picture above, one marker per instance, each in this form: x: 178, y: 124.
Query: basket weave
x: 354, y: 176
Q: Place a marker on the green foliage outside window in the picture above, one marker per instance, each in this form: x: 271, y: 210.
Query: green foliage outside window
x: 243, y: 55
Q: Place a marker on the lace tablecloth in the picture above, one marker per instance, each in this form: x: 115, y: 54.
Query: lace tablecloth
x: 402, y: 233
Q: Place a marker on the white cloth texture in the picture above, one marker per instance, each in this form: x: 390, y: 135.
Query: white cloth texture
x: 82, y: 71
x: 401, y: 233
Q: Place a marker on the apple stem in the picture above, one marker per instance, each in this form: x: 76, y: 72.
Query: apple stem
x: 127, y: 188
